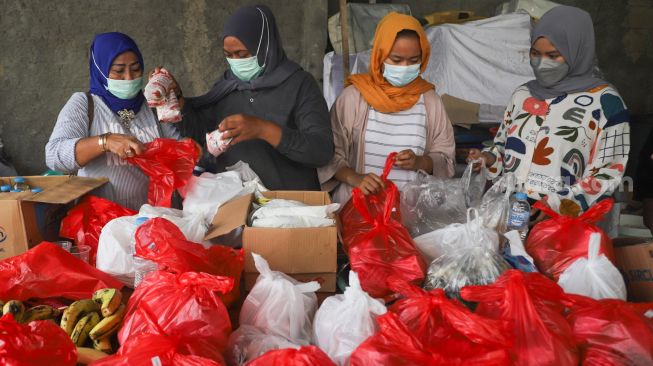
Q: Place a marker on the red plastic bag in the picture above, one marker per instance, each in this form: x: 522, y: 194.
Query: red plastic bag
x: 556, y: 243
x: 161, y: 241
x: 49, y: 271
x: 532, y: 304
x: 447, y: 327
x: 612, y: 332
x: 35, y: 344
x: 378, y: 245
x: 305, y: 356
x: 182, y: 305
x: 169, y: 164
x: 153, y: 348
x: 84, y: 222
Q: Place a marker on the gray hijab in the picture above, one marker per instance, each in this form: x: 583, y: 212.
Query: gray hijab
x: 571, y: 31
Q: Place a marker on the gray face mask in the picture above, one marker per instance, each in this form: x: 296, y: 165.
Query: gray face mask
x: 548, y: 72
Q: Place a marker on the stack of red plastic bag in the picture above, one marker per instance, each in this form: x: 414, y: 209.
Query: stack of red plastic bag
x: 169, y: 164
x: 612, y: 332
x: 533, y: 305
x: 447, y: 327
x: 49, y: 271
x: 161, y: 241
x: 153, y: 348
x: 35, y: 344
x: 305, y: 356
x: 183, y: 306
x: 84, y: 222
x: 556, y: 243
x: 378, y: 245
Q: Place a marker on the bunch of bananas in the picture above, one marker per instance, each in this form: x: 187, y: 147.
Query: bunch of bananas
x: 23, y: 315
x: 95, y: 321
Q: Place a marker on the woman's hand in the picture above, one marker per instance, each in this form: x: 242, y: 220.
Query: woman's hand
x: 124, y: 146
x: 475, y: 154
x: 242, y: 127
x: 368, y: 183
x: 407, y: 160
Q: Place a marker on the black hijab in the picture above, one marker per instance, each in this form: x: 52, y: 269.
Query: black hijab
x: 256, y: 28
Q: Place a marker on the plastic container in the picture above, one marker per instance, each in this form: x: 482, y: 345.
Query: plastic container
x: 82, y: 252
x: 64, y: 244
x: 520, y: 215
x: 5, y: 188
x: 20, y: 185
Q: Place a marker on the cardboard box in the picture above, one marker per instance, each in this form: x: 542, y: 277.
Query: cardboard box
x: 27, y: 218
x: 298, y: 251
x: 635, y: 261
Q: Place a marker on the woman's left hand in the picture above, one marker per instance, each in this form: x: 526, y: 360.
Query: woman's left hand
x: 408, y: 160
x: 242, y: 127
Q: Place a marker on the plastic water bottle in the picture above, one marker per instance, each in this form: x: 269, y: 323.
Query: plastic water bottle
x: 142, y: 266
x: 520, y: 215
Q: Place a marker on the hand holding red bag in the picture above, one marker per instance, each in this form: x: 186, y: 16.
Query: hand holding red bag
x: 85, y: 221
x: 35, y: 344
x: 559, y: 241
x: 305, y: 356
x: 447, y: 327
x: 161, y: 241
x: 49, y: 271
x: 169, y: 164
x: 378, y: 245
x: 612, y: 332
x: 182, y: 305
x: 532, y: 304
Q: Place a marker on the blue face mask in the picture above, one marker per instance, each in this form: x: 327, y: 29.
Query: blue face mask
x: 125, y: 89
x: 247, y: 69
x: 400, y: 75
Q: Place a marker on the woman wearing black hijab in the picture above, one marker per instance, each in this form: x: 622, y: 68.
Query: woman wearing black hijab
x: 269, y: 106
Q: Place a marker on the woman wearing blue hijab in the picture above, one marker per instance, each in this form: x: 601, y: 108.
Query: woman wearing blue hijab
x: 95, y: 131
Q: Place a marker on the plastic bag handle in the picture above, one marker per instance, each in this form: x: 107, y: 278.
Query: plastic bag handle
x: 404, y: 288
x: 360, y: 203
x: 596, y: 212
x: 389, y: 163
x: 358, y: 199
x: 540, y: 205
x: 594, y: 247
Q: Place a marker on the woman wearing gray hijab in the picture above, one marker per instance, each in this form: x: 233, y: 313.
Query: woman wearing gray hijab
x: 565, y: 133
x: 272, y: 111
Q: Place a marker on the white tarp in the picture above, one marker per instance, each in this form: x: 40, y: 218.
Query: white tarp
x: 482, y: 61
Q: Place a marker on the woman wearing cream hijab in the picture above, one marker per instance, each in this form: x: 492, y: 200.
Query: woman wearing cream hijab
x: 389, y: 109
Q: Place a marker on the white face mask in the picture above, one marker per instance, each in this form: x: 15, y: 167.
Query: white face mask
x: 400, y: 75
x: 123, y: 89
x: 247, y: 69
x: 547, y: 71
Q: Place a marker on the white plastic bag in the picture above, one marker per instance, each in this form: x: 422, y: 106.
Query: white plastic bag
x: 280, y: 305
x: 248, y: 343
x: 495, y: 205
x: 191, y: 224
x: 344, y: 321
x: 115, y: 253
x: 594, y: 276
x: 204, y: 194
x: 282, y: 213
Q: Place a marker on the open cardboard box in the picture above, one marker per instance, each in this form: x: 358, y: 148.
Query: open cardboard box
x: 303, y: 253
x: 27, y: 218
x: 635, y: 261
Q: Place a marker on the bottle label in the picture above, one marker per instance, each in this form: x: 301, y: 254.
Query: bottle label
x: 519, y: 219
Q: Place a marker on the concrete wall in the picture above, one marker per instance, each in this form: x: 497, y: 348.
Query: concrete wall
x: 44, y: 57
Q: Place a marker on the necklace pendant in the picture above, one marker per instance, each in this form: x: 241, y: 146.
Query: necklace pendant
x: 126, y: 117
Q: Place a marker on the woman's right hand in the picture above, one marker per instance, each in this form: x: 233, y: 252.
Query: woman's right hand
x: 124, y: 146
x: 476, y: 154
x: 369, y: 183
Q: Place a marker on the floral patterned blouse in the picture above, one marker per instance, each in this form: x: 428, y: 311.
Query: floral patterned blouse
x: 575, y: 145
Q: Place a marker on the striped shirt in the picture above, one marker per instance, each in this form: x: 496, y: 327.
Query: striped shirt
x: 394, y: 132
x: 127, y: 184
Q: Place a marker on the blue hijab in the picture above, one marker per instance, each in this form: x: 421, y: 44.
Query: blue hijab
x: 104, y: 49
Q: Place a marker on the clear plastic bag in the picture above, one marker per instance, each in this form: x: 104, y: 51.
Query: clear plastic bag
x: 594, y: 276
x: 281, y: 305
x: 472, y: 258
x: 495, y: 204
x: 429, y: 203
x: 344, y: 321
x: 249, y: 342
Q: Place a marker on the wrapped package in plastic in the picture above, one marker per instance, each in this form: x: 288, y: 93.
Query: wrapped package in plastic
x: 533, y: 305
x: 378, y: 245
x: 47, y: 270
x: 469, y: 256
x: 248, y: 343
x: 429, y: 203
x: 84, y: 222
x: 612, y: 332
x: 161, y: 242
x: 38, y: 343
x: 446, y: 326
x: 204, y: 194
x: 304, y: 356
x: 280, y: 304
x: 495, y: 204
x: 282, y: 213
x: 216, y: 144
x: 515, y: 254
x: 344, y: 321
x: 557, y: 242
x: 594, y: 276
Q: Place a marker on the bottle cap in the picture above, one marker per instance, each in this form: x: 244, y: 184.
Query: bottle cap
x: 19, y: 180
x: 5, y: 188
x: 36, y: 190
x: 521, y: 196
x: 141, y: 220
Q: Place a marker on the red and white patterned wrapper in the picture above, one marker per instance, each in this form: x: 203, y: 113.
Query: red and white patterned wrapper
x: 159, y: 94
x: 215, y: 144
